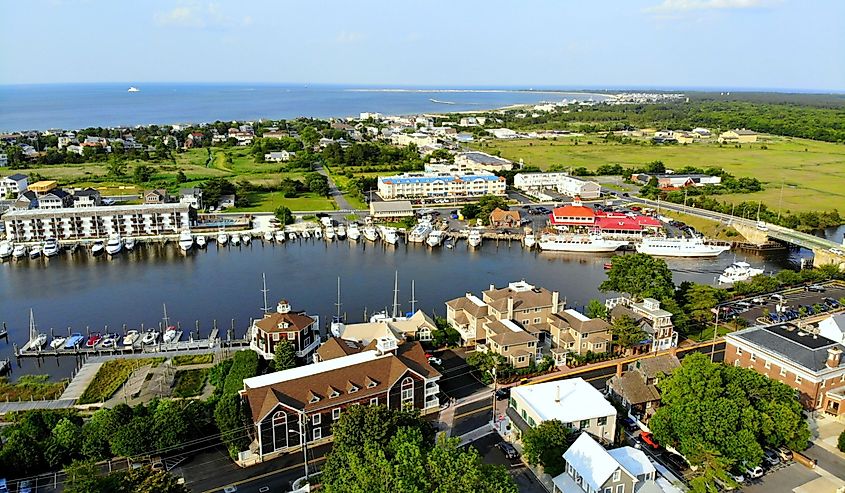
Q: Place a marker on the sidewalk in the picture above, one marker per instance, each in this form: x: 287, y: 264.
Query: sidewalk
x: 447, y: 416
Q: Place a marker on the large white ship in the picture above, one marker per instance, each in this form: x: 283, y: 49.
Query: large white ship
x: 679, y: 247
x: 589, y: 243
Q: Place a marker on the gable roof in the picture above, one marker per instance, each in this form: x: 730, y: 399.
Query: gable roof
x: 499, y: 215
x: 335, y: 348
x: 631, y: 387
x: 653, y: 366
x: 467, y: 304
x: 591, y: 460
x: 295, y: 320
x: 632, y: 460
x: 578, y: 322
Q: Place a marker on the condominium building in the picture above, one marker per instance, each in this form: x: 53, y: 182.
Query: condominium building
x: 655, y: 321
x: 574, y: 333
x: 96, y: 222
x: 440, y: 185
x: 12, y: 185
x: 557, y: 182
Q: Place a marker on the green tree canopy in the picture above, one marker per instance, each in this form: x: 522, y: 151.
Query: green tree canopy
x: 626, y: 332
x: 595, y: 309
x: 284, y: 215
x: 284, y: 355
x: 545, y: 445
x: 640, y: 276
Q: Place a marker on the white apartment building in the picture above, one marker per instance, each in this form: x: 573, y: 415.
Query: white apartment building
x: 558, y: 182
x: 417, y: 138
x: 440, y: 185
x: 481, y: 161
x: 12, y: 185
x: 97, y: 222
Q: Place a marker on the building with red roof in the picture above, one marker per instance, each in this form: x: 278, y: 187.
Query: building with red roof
x: 608, y: 223
x: 574, y: 214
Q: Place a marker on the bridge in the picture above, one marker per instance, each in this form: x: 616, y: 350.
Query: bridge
x: 822, y: 248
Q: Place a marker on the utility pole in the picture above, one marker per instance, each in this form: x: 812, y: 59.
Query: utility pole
x: 304, y: 437
x: 715, y: 331
x: 494, y: 395
x: 780, y: 201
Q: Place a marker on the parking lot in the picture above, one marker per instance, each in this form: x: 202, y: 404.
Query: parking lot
x: 795, y: 302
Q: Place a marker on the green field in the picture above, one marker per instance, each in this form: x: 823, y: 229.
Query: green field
x: 812, y: 172
x: 269, y: 201
x: 31, y: 387
x: 111, y: 376
x: 192, y: 359
x: 189, y: 383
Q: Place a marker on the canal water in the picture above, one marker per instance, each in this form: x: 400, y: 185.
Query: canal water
x: 81, y: 291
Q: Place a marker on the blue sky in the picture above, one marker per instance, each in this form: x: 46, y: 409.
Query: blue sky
x: 789, y: 44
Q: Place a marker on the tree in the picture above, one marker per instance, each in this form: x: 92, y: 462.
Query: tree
x: 595, y: 309
x: 318, y: 184
x: 213, y: 188
x: 116, y: 167
x: 841, y: 443
x: 284, y: 215
x: 284, y: 355
x: 487, y: 204
x: 700, y: 299
x: 712, y: 466
x: 180, y: 177
x: 309, y: 137
x: 142, y: 173
x: 470, y: 211
x: 545, y: 445
x: 639, y: 276
x: 626, y: 332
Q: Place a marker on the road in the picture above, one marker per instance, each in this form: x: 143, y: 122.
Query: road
x: 526, y: 482
x: 335, y: 192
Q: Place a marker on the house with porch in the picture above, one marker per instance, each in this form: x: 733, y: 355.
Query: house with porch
x: 636, y: 389
x: 298, y: 328
x: 655, y: 321
x: 574, y: 333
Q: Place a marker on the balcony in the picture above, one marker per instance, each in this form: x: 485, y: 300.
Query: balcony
x: 302, y: 353
x: 431, y: 389
x: 432, y: 401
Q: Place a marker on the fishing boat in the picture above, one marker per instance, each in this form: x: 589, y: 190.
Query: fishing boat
x: 529, y: 240
x: 587, y: 243
x: 57, y: 342
x: 186, y: 241
x: 280, y: 236
x: 306, y: 234
x: 74, y: 340
x: 247, y: 239
x: 235, y: 240
x: 35, y: 251
x: 19, y: 251
x: 129, y: 243
x: 114, y: 245
x: 353, y: 232
x: 172, y: 334
x: 330, y: 233
x: 6, y: 249
x: 222, y: 238
x: 98, y: 248
x: 201, y: 241
x: 370, y: 233
x: 268, y: 236
x: 420, y: 232
x: 150, y: 337
x: 390, y: 236
x: 435, y: 238
x: 679, y: 247
x: 341, y: 232
x: 738, y: 272
x: 131, y: 338
x: 474, y: 238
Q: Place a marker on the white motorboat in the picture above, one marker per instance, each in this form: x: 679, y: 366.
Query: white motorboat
x: 737, y: 272
x: 435, y: 238
x: 291, y: 235
x: 98, y: 247
x: 390, y: 235
x: 172, y: 334
x: 420, y: 232
x: 19, y: 251
x: 679, y: 247
x: 129, y: 243
x: 529, y: 240
x: 330, y: 234
x: 201, y: 241
x: 35, y: 251
x: 246, y: 239
x: 222, y: 239
x: 235, y: 240
x: 133, y: 89
x: 370, y: 232
x: 280, y: 236
x: 341, y: 232
x: 74, y: 341
x: 131, y: 338
x: 318, y: 234
x: 353, y: 232
x: 150, y: 337
x: 58, y: 342
x: 186, y: 241
x: 114, y: 245
x: 306, y: 234
x: 449, y: 243
x: 268, y: 236
x: 474, y: 238
x: 109, y: 340
x: 51, y: 247
x: 39, y: 341
x: 6, y: 249
x: 589, y: 243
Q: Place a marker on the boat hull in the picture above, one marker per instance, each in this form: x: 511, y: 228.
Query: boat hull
x: 713, y: 251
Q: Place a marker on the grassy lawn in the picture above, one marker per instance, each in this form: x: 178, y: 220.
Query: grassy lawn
x: 111, y: 376
x: 192, y: 359
x: 269, y: 201
x: 711, y: 229
x: 813, y: 173
x: 706, y: 333
x: 31, y: 387
x: 189, y: 383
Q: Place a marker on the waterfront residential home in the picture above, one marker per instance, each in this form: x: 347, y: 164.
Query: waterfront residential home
x: 637, y: 388
x: 592, y: 469
x: 191, y: 196
x: 507, y: 339
x: 574, y: 333
x: 504, y: 219
x: 298, y: 328
x: 467, y: 315
x: 86, y: 197
x: 797, y: 356
x: 12, y: 185
x: 157, y: 196
x: 26, y: 200
x: 312, y: 398
x: 655, y: 321
x: 55, y: 199
x: 335, y: 347
x: 226, y: 201
x: 524, y: 303
x: 572, y: 401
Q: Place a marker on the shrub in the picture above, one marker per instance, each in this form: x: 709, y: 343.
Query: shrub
x: 841, y: 443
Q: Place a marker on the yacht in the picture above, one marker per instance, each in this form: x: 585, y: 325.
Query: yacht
x: 201, y: 241
x: 391, y: 237
x: 97, y: 248
x: 6, y: 249
x: 474, y: 238
x: 129, y: 243
x: 131, y: 338
x: 268, y: 236
x: 222, y: 239
x: 420, y: 232
x: 186, y: 241
x: 738, y: 271
x: 35, y: 251
x: 19, y: 251
x: 589, y: 243
x: 679, y: 247
x: 150, y: 337
x: 57, y: 342
x: 370, y: 233
x: 318, y: 234
x: 51, y: 247
x: 329, y: 233
x: 74, y: 340
x: 114, y: 245
x: 235, y: 239
x: 353, y: 232
x: 247, y: 239
x: 171, y: 334
x: 280, y: 236
x: 529, y: 240
x: 435, y: 238
x: 341, y: 232
x: 133, y: 89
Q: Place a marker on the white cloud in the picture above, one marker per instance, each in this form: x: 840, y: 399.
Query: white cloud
x: 349, y: 37
x: 179, y: 17
x: 198, y: 15
x: 675, y: 6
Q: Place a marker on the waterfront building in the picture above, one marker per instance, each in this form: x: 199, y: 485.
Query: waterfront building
x: 574, y: 333
x: 96, y: 222
x: 636, y: 389
x: 309, y: 399
x: 572, y: 401
x: 298, y: 328
x: 481, y: 161
x: 86, y: 197
x: 418, y: 326
x: 655, y: 321
x: 191, y: 196
x: 416, y: 138
x: 796, y: 356
x: 558, y: 182
x: 12, y: 185
x: 469, y: 184
x: 391, y: 210
x: 609, y: 224
x: 43, y: 186
x: 504, y: 219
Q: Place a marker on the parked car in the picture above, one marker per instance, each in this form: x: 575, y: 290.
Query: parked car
x: 770, y: 457
x: 630, y: 425
x: 754, y: 472
x: 724, y: 486
x: 832, y: 303
x: 737, y: 476
x: 503, y: 393
x: 777, y: 297
x: 784, y: 453
x: 815, y: 288
x: 3, y: 487
x: 434, y: 360
x: 676, y: 461
x: 758, y: 301
x: 508, y: 449
x: 649, y: 440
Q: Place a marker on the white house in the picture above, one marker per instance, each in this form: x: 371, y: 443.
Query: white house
x: 279, y: 156
x: 559, y: 182
x: 191, y: 196
x: 4, y: 160
x: 503, y: 133
x: 417, y: 138
x: 833, y: 328
x: 481, y: 161
x: 440, y: 185
x: 12, y: 185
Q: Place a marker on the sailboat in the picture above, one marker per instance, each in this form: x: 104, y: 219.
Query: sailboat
x: 37, y: 340
x: 383, y: 316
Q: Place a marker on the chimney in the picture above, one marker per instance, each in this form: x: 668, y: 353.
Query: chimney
x: 492, y: 287
x: 555, y: 301
x: 834, y: 356
x: 510, y: 308
x: 557, y: 393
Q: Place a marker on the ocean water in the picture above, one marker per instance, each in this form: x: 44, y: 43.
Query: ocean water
x: 72, y: 106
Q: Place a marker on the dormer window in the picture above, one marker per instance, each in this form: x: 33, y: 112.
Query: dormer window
x: 371, y: 383
x: 313, y: 398
x: 351, y: 387
x: 332, y: 392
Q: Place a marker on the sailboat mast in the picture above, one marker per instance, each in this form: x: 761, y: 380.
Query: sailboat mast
x: 338, y: 304
x: 266, y: 309
x: 395, y: 294
x: 166, y: 319
x: 33, y: 332
x: 413, y: 299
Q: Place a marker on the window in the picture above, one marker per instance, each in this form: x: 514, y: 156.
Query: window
x: 767, y: 364
x: 505, y: 349
x: 570, y: 469
x: 374, y: 401
x: 316, y: 419
x: 608, y: 490
x: 525, y: 322
x: 371, y: 384
x: 314, y: 399
x: 602, y: 421
x: 753, y: 357
x: 599, y: 345
x: 537, y: 309
x: 334, y: 394
x: 585, y: 423
x: 407, y: 392
x: 736, y: 362
x: 318, y: 433
x: 521, y: 359
x: 617, y: 475
x: 797, y: 379
x: 782, y: 371
x: 353, y: 389
x: 620, y: 488
x: 279, y: 426
x: 336, y: 413
x: 275, y: 336
x: 738, y: 352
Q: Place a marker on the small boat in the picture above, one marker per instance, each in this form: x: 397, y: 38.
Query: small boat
x: 110, y: 340
x: 268, y: 236
x: 306, y: 234
x: 5, y: 249
x: 318, y: 234
x: 93, y: 339
x: 129, y: 243
x: 737, y: 272
x: 353, y: 232
x: 529, y: 240
x: 474, y: 238
x: 39, y: 342
x: 222, y: 239
x: 171, y: 334
x: 201, y: 241
x: 370, y: 232
x: 186, y: 241
x: 435, y: 238
x: 131, y: 338
x: 341, y: 232
x: 98, y: 248
x: 420, y: 232
x: 235, y: 239
x: 19, y: 251
x: 35, y: 251
x: 391, y: 237
x: 449, y: 243
x: 330, y: 233
x: 57, y: 342
x: 114, y: 245
x: 133, y: 89
x: 246, y: 239
x: 608, y: 265
x: 74, y: 340
x: 150, y: 337
x: 292, y: 235
x: 280, y: 236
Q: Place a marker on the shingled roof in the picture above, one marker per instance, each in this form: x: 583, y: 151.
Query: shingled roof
x: 295, y: 321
